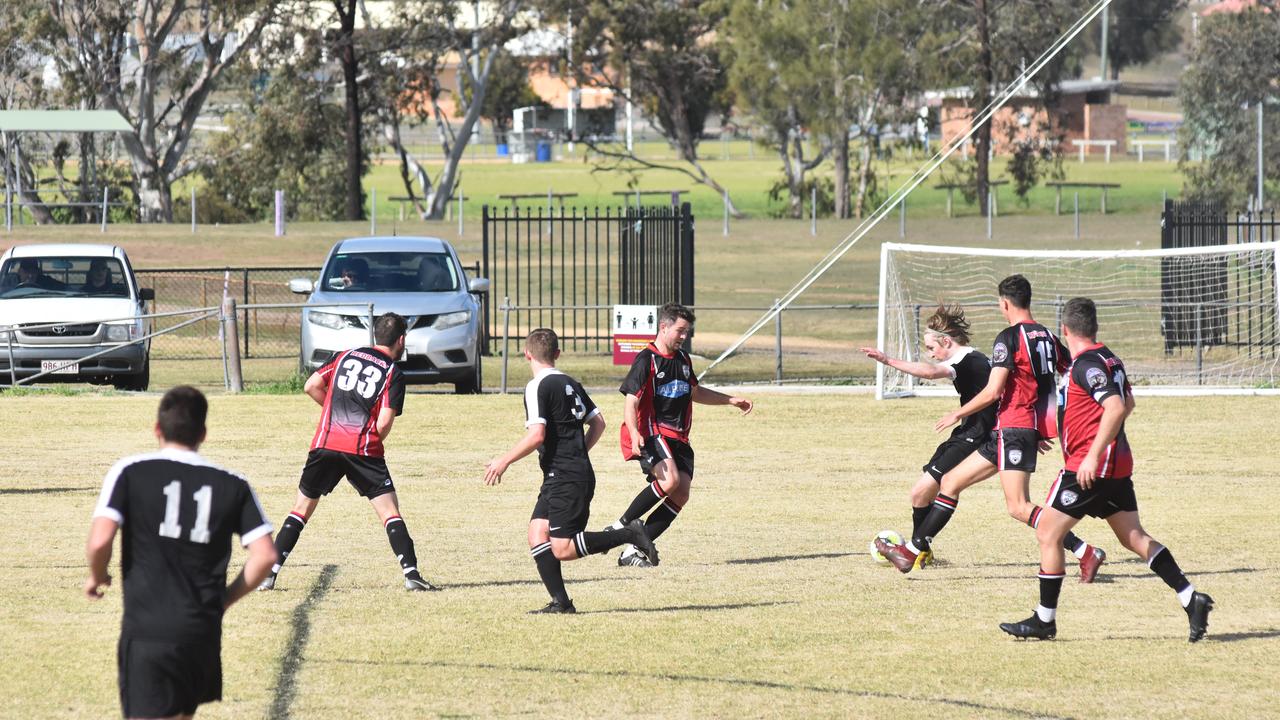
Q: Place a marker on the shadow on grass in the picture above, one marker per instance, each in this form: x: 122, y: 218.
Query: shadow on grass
x: 286, y: 686
x: 786, y: 558
x: 939, y: 702
x: 690, y: 608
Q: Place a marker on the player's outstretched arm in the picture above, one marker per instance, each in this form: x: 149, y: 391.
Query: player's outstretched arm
x: 595, y: 428
x: 262, y: 555
x: 98, y: 552
x: 315, y: 387
x: 707, y: 396
x: 494, y: 469
x: 989, y: 394
x: 922, y: 370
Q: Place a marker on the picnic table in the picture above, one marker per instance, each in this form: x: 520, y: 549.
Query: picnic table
x: 1059, y: 184
x: 516, y: 197
x: 995, y: 194
x: 448, y: 206
x: 1168, y: 144
x: 637, y: 194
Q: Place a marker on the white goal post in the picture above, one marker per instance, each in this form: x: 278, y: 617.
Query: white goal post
x: 1187, y: 321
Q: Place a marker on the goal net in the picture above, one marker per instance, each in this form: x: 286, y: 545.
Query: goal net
x: 1194, y: 319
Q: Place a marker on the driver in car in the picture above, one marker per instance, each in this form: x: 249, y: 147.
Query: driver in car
x: 30, y: 275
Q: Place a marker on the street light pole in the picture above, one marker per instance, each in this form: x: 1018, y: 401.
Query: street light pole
x: 1260, y: 167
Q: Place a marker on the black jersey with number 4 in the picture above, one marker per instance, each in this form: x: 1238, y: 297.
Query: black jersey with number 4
x: 177, y: 513
x: 970, y: 370
x: 558, y: 401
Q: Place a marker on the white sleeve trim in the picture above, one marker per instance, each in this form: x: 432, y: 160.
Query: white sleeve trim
x: 254, y: 534
x: 110, y: 513
x: 592, y: 414
x: 533, y: 413
x: 103, y: 509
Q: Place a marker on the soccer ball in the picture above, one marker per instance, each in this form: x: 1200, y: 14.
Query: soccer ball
x: 890, y: 536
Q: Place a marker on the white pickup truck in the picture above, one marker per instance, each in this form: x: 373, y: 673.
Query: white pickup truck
x: 62, y: 303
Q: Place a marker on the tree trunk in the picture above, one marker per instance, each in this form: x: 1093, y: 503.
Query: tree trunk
x: 864, y: 178
x: 350, y: 74
x: 841, y: 160
x: 981, y: 98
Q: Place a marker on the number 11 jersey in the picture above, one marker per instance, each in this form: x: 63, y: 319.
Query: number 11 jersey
x: 361, y: 382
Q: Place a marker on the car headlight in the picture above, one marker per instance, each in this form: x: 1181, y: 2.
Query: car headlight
x: 453, y: 319
x: 332, y: 321
x: 118, y: 333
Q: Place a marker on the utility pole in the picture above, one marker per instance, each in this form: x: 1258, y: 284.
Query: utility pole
x: 1261, y: 176
x: 1106, y: 33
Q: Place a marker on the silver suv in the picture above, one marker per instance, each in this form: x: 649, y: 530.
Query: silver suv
x: 417, y: 277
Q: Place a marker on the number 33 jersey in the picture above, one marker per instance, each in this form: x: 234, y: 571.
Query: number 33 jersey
x: 558, y: 401
x: 361, y: 382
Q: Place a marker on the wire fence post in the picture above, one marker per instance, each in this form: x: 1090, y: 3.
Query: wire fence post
x: 104, y: 209
x: 231, y: 345
x: 279, y: 213
x: 506, y: 338
x: 902, y: 219
x: 1077, y: 200
x: 989, y: 229
x: 777, y: 341
x: 1199, y: 345
x: 13, y: 369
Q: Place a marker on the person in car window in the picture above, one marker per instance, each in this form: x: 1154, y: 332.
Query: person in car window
x: 98, y: 279
x: 30, y: 274
x: 355, y: 274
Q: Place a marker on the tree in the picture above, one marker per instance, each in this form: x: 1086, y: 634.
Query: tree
x: 509, y: 90
x: 155, y: 63
x: 661, y: 56
x: 1234, y: 66
x: 343, y: 41
x: 430, y: 41
x: 21, y: 86
x: 1138, y: 32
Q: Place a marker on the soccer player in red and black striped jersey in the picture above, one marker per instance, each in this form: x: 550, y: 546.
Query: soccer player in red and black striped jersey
x: 1097, y: 479
x: 556, y: 409
x: 660, y: 390
x: 1025, y: 361
x: 361, y: 392
x: 176, y: 513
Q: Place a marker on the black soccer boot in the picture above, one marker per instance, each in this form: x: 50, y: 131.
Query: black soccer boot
x: 640, y: 538
x: 1198, y: 615
x: 1032, y: 627
x: 414, y: 582
x: 555, y: 608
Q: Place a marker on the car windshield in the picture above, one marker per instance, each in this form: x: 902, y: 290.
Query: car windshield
x: 390, y: 272
x: 62, y: 277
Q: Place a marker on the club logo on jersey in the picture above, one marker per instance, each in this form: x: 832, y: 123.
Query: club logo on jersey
x: 1096, y: 378
x: 662, y: 375
x: 674, y: 389
x: 685, y: 370
x: 1015, y: 456
x: 1069, y: 497
x: 999, y: 353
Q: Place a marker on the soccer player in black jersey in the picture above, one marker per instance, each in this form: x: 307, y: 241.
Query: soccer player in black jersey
x: 360, y: 392
x: 176, y: 513
x: 1097, y: 479
x: 556, y: 407
x: 660, y: 390
x: 946, y: 341
x: 1025, y: 360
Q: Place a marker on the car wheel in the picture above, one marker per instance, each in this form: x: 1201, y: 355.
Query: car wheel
x: 475, y: 382
x: 139, y: 382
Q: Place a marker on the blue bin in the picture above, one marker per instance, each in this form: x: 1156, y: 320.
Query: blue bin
x: 503, y: 150
x: 544, y: 152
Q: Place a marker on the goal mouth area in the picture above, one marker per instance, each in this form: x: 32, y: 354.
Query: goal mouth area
x: 1187, y: 321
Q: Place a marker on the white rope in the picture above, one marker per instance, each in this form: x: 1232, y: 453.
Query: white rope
x: 843, y: 247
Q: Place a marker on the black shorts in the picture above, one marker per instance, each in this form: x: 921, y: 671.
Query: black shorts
x: 948, y: 455
x: 1107, y: 497
x: 1012, y: 449
x: 163, y: 679
x: 659, y: 448
x: 566, y: 506
x: 324, y: 468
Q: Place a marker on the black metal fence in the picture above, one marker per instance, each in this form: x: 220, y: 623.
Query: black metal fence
x: 547, y: 263
x: 1213, y: 300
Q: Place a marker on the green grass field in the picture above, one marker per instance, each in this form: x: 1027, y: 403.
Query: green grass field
x: 766, y: 603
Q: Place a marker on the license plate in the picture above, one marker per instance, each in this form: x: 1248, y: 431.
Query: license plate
x: 59, y: 367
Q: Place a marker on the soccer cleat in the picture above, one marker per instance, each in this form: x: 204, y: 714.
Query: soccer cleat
x: 1198, y: 615
x: 555, y: 608
x: 632, y: 557
x: 641, y: 542
x: 923, y: 560
x: 899, y: 555
x: 1032, y: 627
x: 1089, y: 564
x: 268, y: 584
x: 414, y: 582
